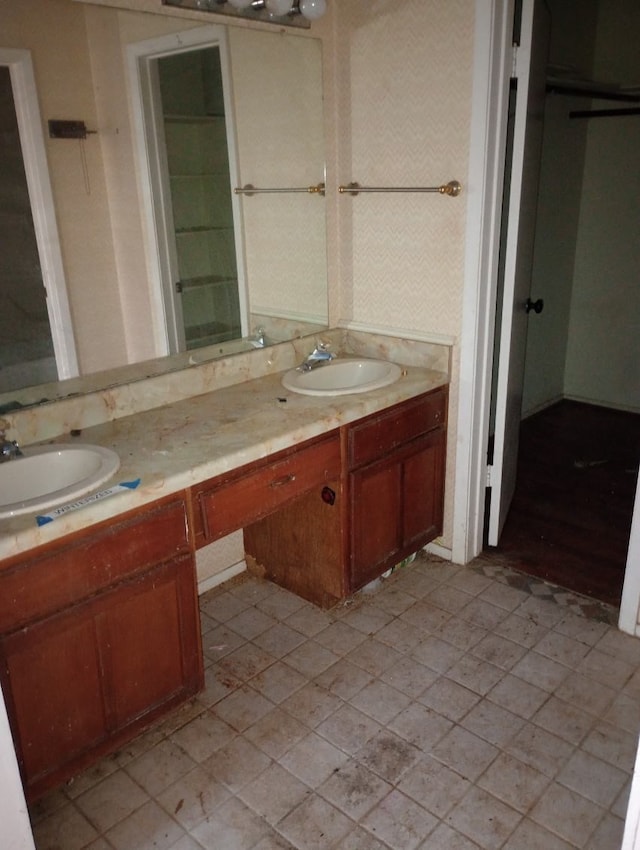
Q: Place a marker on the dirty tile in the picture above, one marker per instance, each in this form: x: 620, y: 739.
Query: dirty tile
x: 434, y: 785
x: 315, y: 825
x: 567, y: 814
x: 313, y: 759
x: 274, y: 793
x: 348, y: 729
x: 515, y: 783
x: 193, y: 797
x: 148, y: 827
x: 399, y: 821
x: 111, y: 800
x: 354, y: 789
x: 484, y: 818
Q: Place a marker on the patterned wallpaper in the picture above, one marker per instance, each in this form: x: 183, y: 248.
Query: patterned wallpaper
x: 405, y: 105
x: 398, y: 105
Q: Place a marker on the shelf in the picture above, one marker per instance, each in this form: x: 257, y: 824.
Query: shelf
x: 186, y: 231
x: 207, y: 280
x: 192, y: 119
x: 202, y: 175
x: 209, y: 334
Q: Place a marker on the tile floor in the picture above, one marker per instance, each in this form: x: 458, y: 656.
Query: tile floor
x: 445, y: 709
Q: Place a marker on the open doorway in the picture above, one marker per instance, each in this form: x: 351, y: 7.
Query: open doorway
x: 570, y: 518
x: 578, y: 462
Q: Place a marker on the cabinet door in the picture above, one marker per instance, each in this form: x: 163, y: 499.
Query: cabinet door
x: 148, y: 633
x: 51, y: 679
x: 396, y: 506
x: 376, y: 506
x: 80, y: 683
x: 422, y: 493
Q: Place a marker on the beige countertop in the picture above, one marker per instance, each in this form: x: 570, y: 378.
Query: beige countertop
x: 172, y: 447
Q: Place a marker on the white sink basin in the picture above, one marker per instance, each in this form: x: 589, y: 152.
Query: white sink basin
x: 49, y: 475
x: 342, y: 377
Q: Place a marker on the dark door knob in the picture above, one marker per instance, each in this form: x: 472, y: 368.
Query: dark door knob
x: 536, y: 306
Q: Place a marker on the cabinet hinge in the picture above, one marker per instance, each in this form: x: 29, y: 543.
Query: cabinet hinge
x: 178, y: 286
x: 514, y: 61
x: 489, y: 475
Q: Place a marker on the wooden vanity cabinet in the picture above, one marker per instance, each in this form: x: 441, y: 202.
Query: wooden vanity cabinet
x: 396, y: 484
x: 386, y: 503
x: 100, y: 632
x: 99, y: 636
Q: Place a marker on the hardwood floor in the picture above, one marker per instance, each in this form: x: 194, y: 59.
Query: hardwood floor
x: 570, y: 519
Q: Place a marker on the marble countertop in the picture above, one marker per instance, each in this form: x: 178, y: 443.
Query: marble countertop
x: 170, y: 448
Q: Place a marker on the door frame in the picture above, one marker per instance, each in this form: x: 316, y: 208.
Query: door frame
x: 492, y: 65
x: 36, y: 168
x: 491, y: 71
x: 151, y: 156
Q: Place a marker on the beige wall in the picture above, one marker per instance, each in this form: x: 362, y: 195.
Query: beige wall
x: 402, y: 71
x: 405, y: 86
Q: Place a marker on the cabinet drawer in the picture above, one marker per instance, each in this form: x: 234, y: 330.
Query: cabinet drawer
x: 234, y: 504
x: 381, y: 433
x: 64, y: 575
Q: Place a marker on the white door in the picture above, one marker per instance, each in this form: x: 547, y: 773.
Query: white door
x: 45, y: 261
x: 519, y: 216
x: 187, y: 150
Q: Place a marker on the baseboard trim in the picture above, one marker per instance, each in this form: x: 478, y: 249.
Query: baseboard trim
x: 221, y: 577
x: 439, y: 550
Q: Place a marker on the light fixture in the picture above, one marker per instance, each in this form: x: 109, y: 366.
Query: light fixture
x: 312, y: 9
x: 297, y: 13
x: 277, y: 8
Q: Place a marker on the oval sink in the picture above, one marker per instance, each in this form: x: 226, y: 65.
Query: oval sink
x: 342, y: 377
x: 49, y: 475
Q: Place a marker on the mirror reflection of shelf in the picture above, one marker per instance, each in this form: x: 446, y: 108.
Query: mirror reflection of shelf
x: 202, y: 228
x: 192, y: 119
x: 209, y: 280
x: 209, y: 334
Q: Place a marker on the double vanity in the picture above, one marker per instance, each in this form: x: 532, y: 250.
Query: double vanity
x: 99, y: 623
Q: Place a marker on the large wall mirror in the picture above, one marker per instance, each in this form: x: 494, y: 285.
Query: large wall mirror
x: 165, y: 263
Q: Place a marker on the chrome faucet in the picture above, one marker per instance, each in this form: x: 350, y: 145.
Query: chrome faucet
x: 258, y: 338
x: 8, y: 448
x: 319, y: 356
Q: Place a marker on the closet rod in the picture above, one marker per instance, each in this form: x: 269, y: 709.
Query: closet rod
x: 604, y: 113
x: 252, y: 190
x: 592, y: 92
x: 452, y: 188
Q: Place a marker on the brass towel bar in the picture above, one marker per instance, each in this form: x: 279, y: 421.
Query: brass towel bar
x: 252, y: 190
x: 452, y: 188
